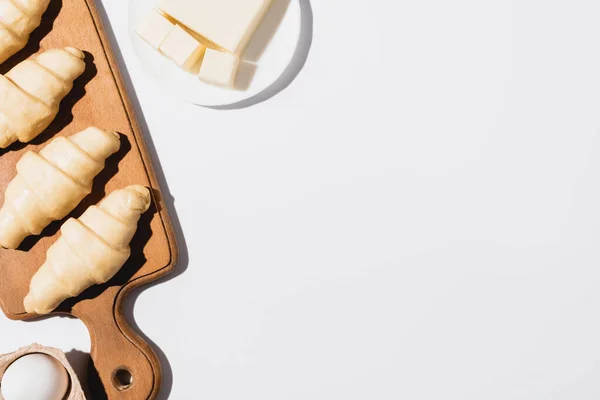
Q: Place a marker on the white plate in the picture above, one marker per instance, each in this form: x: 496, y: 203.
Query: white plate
x: 268, y: 55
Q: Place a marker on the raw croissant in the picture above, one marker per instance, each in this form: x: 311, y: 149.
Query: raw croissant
x: 18, y: 18
x: 49, y: 185
x: 91, y: 250
x: 31, y: 92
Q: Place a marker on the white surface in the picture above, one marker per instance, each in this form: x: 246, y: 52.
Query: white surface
x: 421, y: 223
x: 266, y: 58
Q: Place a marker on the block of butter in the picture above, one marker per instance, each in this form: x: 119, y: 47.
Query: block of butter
x: 182, y: 48
x: 228, y: 23
x: 155, y: 28
x: 219, y: 68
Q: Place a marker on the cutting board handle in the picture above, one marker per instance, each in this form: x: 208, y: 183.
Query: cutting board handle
x: 127, y: 368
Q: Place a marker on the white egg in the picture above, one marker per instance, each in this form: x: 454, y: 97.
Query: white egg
x: 35, y: 377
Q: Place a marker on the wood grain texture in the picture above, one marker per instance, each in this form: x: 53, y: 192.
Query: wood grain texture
x: 98, y: 98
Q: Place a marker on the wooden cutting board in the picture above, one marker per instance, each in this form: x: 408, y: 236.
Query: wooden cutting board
x: 98, y: 98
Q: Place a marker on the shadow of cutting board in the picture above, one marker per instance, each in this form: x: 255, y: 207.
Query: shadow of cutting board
x: 127, y: 367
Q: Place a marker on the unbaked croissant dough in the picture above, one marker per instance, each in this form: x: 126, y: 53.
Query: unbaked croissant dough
x: 49, y: 185
x: 91, y: 250
x: 31, y: 92
x: 18, y: 18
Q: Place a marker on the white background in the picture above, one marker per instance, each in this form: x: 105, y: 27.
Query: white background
x: 417, y: 216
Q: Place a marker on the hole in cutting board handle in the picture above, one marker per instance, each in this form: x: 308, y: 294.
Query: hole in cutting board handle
x: 122, y: 379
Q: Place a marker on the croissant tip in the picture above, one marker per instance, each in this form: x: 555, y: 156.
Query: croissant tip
x: 76, y: 52
x: 144, y: 194
x: 27, y: 304
x: 114, y: 134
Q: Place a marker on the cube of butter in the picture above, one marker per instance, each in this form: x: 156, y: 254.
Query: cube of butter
x: 219, y: 68
x: 155, y: 28
x: 182, y: 48
x: 228, y: 23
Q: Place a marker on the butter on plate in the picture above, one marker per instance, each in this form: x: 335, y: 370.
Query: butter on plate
x: 219, y: 68
x: 182, y: 48
x: 155, y: 28
x: 228, y: 23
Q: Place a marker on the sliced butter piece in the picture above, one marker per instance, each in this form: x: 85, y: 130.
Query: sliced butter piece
x: 182, y: 48
x: 219, y: 68
x: 228, y: 23
x: 154, y: 28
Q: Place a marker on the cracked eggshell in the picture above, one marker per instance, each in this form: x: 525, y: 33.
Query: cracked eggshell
x: 75, y: 392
